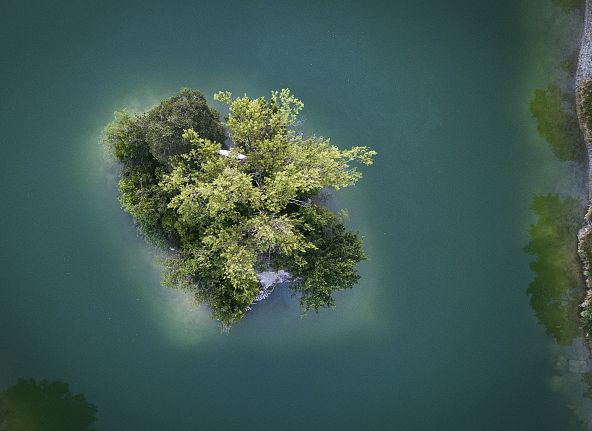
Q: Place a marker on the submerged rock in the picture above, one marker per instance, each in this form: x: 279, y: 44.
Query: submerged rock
x: 268, y: 281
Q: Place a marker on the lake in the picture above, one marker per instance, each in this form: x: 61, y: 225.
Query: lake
x: 439, y: 334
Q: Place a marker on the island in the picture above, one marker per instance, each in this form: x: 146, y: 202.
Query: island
x: 237, y: 205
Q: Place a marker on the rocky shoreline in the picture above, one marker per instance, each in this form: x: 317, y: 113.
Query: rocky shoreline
x: 583, y: 83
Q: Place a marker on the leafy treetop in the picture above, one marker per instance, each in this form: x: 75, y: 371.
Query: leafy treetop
x: 231, y: 215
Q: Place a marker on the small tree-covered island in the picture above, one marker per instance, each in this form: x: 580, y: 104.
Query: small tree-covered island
x: 232, y: 202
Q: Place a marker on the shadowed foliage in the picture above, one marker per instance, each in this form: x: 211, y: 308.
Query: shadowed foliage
x: 229, y: 213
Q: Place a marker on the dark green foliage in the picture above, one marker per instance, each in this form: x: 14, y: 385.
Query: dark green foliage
x: 557, y: 289
x: 206, y: 281
x: 166, y: 123
x: 227, y: 218
x: 329, y: 267
x: 557, y: 122
x: 143, y: 144
x: 44, y: 406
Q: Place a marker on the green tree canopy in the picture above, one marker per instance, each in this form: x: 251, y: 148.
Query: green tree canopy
x: 166, y: 123
x: 230, y: 213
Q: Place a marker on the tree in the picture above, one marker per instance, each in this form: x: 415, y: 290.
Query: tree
x: 233, y: 213
x: 44, y: 406
x: 143, y: 143
x: 166, y: 123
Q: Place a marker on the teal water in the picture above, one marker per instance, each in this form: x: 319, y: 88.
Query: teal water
x: 439, y: 334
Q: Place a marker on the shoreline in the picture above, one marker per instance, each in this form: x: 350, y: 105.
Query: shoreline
x: 583, y: 80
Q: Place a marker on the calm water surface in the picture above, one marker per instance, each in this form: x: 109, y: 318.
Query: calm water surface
x: 439, y: 334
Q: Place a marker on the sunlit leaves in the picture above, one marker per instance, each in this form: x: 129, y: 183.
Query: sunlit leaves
x: 243, y: 208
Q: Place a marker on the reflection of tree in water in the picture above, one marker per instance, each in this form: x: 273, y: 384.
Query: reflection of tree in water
x: 554, y: 112
x: 557, y: 289
x: 558, y: 286
x: 44, y: 406
x: 569, y: 4
x: 587, y: 379
x: 570, y: 63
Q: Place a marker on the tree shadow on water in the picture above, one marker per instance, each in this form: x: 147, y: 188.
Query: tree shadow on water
x: 557, y: 289
x: 31, y: 405
x: 557, y: 122
x: 569, y: 5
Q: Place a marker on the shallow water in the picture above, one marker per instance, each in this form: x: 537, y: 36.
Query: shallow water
x: 439, y: 333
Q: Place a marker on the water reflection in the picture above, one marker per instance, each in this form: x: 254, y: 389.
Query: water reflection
x: 557, y: 289
x: 557, y: 122
x: 569, y: 5
x: 570, y: 63
x: 31, y: 405
x: 558, y: 286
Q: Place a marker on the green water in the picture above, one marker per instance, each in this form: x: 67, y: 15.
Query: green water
x: 439, y: 334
